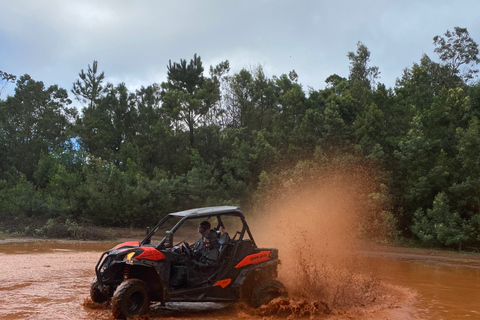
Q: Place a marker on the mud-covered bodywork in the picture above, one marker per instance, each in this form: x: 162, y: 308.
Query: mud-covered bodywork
x: 155, y: 262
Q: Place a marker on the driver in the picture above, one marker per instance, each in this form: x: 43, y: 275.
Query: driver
x: 205, y: 230
x: 201, y: 265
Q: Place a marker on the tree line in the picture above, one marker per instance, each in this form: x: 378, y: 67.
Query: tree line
x: 211, y: 137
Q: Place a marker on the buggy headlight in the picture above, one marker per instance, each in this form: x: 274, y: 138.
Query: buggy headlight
x: 129, y: 256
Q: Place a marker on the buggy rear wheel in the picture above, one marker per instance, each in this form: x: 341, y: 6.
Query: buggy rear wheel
x: 267, y: 291
x: 130, y: 299
x: 96, y: 294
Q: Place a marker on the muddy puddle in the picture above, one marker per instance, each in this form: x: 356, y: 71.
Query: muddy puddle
x: 51, y: 280
x: 446, y: 284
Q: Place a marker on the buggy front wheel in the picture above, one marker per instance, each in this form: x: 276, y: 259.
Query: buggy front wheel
x: 96, y: 294
x: 267, y: 291
x: 130, y: 299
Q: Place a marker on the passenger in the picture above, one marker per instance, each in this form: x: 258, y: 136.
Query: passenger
x: 209, y: 252
x: 205, y: 231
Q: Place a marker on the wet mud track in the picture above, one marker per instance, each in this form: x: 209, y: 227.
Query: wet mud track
x: 51, y: 280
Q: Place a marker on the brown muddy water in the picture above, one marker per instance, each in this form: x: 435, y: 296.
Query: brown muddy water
x: 51, y: 280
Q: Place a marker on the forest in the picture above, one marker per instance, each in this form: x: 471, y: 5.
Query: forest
x: 213, y: 137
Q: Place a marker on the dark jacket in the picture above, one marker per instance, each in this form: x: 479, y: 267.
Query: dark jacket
x: 198, y: 245
x: 208, y: 257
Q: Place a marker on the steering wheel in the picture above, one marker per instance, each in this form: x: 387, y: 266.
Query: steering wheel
x: 186, y: 249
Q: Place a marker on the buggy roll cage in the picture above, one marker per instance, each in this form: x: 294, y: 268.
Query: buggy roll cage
x: 206, y: 213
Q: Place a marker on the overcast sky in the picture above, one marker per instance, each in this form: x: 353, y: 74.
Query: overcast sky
x: 52, y: 40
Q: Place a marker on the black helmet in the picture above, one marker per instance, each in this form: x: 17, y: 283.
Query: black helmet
x: 204, y: 226
x: 212, y: 238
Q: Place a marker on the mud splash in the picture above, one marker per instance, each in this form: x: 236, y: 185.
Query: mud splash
x: 317, y: 225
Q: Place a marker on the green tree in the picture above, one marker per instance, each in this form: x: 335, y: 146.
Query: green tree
x: 337, y: 84
x: 237, y: 175
x: 120, y: 105
x: 6, y: 78
x: 202, y: 182
x: 241, y: 169
x: 291, y: 109
x: 466, y: 189
x: 416, y: 155
x: 102, y: 192
x: 95, y: 130
x: 18, y: 197
x: 188, y: 95
x: 458, y: 49
x: 341, y: 95
x: 58, y: 179
x: 217, y: 115
x: 94, y: 126
x: 474, y: 99
x: 439, y: 225
x: 34, y: 121
x: 251, y: 100
x: 359, y: 69
x: 370, y: 131
x: 415, y: 93
x: 323, y: 123
x: 153, y: 133
x: 265, y: 101
x: 239, y: 104
x: 427, y: 154
x: 449, y: 110
x: 110, y: 124
x: 89, y: 88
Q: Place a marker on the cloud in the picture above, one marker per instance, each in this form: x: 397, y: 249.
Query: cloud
x: 133, y: 41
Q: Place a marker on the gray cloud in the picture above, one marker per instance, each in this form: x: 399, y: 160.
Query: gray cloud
x: 133, y: 41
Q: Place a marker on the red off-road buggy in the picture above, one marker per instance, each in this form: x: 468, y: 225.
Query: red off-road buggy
x: 134, y: 274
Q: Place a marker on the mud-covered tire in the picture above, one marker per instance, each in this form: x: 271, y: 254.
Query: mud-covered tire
x: 267, y: 291
x: 130, y: 299
x: 96, y: 294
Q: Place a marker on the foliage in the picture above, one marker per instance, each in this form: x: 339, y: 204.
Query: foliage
x: 359, y: 69
x: 457, y: 48
x: 441, y: 226
x: 188, y: 96
x: 56, y: 228
x: 34, y: 121
x: 5, y: 78
x: 18, y: 196
x: 195, y: 140
x: 89, y: 88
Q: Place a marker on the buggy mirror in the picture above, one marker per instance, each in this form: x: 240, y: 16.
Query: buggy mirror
x: 169, y: 239
x: 148, y: 240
